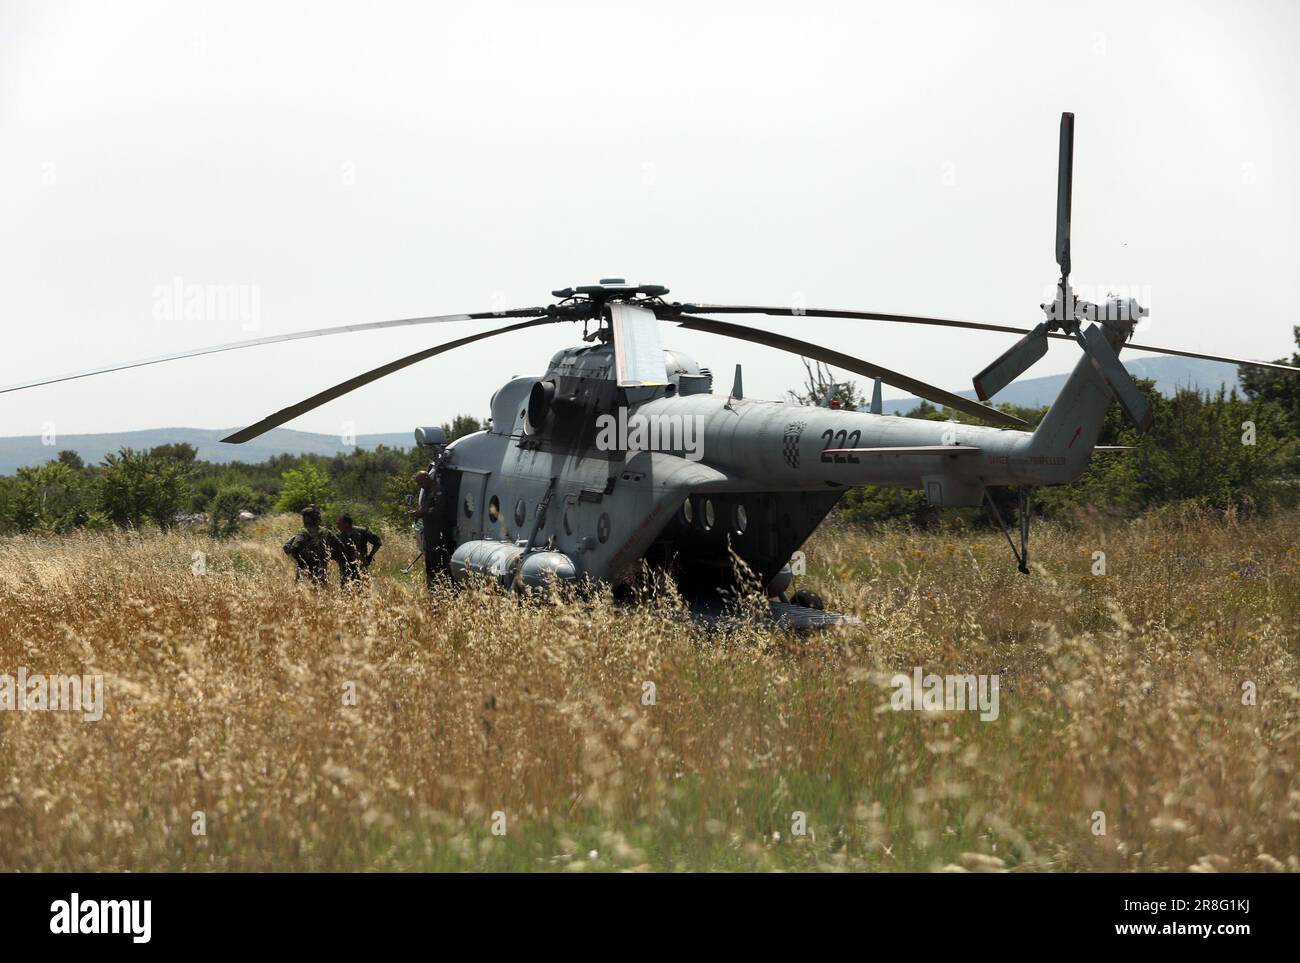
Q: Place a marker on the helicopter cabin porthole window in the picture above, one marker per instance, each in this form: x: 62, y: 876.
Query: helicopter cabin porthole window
x: 568, y: 519
x: 521, y: 512
x: 688, y: 512
x: 494, y: 509
x: 707, y: 516
x: 739, y: 519
x: 541, y: 515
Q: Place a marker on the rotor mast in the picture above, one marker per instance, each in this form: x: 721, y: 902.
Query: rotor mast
x: 590, y: 302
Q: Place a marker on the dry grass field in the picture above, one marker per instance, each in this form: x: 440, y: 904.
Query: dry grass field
x: 1120, y: 694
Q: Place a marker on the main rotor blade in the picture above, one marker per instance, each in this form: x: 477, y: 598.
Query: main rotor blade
x: 849, y: 363
x: 1134, y: 346
x: 1093, y: 341
x: 638, y: 352
x: 329, y: 394
x: 276, y: 338
x: 950, y: 323
x: 1064, y: 192
x: 836, y: 313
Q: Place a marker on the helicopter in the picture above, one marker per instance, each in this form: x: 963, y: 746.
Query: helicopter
x: 623, y: 455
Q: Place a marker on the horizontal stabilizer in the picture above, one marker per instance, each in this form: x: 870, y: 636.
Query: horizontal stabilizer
x: 907, y: 450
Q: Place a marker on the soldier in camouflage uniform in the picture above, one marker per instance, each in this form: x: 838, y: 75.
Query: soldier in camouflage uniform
x: 359, y: 547
x: 432, y: 512
x: 313, y: 547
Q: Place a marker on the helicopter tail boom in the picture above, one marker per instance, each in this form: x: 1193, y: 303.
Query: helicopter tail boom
x: 1060, y: 447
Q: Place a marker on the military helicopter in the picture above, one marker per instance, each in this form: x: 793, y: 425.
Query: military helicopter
x: 621, y: 455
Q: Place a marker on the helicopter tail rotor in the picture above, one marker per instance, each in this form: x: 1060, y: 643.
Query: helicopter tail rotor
x: 1026, y: 352
x: 1064, y: 192
x: 1066, y: 312
x: 1012, y: 363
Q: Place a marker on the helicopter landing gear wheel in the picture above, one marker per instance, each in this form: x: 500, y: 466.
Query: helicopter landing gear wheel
x: 809, y: 600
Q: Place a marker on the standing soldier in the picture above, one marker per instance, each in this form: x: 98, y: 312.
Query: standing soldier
x: 313, y: 547
x: 431, y: 511
x: 359, y: 547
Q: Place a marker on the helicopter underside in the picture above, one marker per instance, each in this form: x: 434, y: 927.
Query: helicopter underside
x: 722, y: 542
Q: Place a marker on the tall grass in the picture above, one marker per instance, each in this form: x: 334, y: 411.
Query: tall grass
x: 1121, y: 694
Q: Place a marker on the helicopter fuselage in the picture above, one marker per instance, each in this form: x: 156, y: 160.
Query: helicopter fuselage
x: 695, y: 482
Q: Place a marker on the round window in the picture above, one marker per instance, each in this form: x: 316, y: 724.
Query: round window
x: 688, y: 512
x: 521, y: 512
x: 494, y: 508
x: 707, y: 516
x: 739, y: 519
x: 568, y: 519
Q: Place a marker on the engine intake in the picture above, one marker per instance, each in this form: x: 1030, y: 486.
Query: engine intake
x: 540, y: 398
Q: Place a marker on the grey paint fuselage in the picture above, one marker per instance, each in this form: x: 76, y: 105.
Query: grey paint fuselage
x: 608, y: 508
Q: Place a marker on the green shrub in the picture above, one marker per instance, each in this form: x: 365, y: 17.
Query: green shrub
x: 225, y: 506
x: 306, y: 485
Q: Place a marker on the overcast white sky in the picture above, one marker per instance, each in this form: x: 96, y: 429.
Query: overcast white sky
x: 359, y: 161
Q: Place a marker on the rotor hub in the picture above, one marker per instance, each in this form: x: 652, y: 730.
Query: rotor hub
x: 1066, y: 311
x: 1116, y: 313
x: 611, y: 289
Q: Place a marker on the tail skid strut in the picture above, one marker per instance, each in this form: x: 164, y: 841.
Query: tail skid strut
x: 1022, y: 505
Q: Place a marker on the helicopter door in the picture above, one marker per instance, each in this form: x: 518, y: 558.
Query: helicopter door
x: 473, y: 504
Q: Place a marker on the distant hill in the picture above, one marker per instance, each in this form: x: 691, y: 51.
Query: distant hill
x: 15, y: 452
x: 1169, y: 374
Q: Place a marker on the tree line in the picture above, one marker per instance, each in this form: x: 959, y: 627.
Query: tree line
x: 169, y: 485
